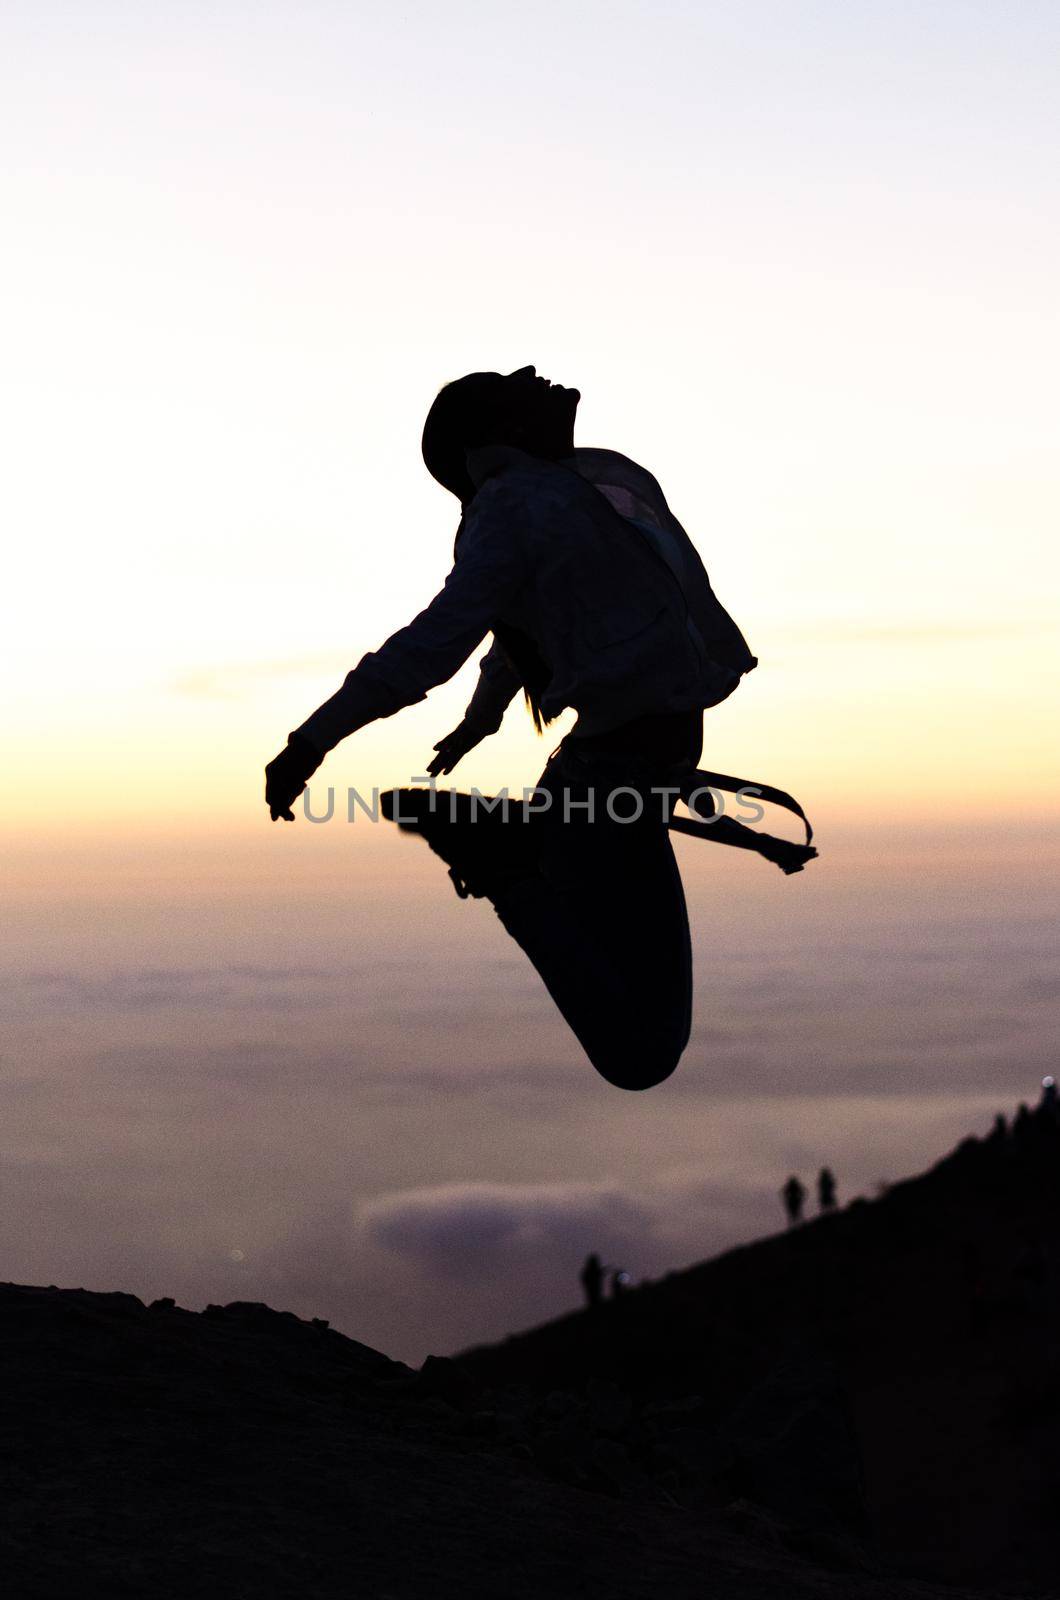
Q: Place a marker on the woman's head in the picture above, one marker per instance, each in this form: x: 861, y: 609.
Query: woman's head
x: 516, y: 408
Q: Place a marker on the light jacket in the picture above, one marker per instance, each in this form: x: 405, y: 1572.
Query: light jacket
x: 585, y: 557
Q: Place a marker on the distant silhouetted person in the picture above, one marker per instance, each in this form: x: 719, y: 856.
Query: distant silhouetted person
x: 1050, y: 1101
x: 619, y: 1282
x: 794, y: 1197
x: 592, y: 1276
x: 826, y: 1189
x: 1045, y: 1123
x: 597, y: 600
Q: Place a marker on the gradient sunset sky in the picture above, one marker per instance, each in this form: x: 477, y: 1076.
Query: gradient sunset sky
x: 801, y: 261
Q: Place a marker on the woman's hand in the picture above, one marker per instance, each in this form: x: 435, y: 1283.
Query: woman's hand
x: 454, y: 747
x: 287, y: 774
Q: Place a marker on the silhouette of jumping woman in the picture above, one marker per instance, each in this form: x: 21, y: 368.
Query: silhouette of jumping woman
x: 597, y: 600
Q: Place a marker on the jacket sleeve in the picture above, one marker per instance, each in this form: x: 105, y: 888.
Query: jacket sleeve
x: 497, y: 684
x: 488, y: 572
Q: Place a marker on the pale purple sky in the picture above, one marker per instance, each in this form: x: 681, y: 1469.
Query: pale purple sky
x: 355, y: 1100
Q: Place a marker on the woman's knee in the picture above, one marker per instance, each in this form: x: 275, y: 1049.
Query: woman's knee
x: 637, y: 1069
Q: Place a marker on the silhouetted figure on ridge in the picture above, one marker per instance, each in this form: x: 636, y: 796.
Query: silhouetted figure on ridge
x: 597, y: 600
x: 1050, y: 1101
x: 1022, y: 1124
x: 794, y: 1196
x: 592, y: 1280
x: 999, y: 1132
x: 619, y: 1282
x: 826, y: 1192
x: 1045, y: 1125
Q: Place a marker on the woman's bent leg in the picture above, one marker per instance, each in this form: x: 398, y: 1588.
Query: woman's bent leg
x: 604, y: 922
x: 597, y: 906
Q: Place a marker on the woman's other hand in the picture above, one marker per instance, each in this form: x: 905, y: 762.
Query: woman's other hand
x: 454, y: 747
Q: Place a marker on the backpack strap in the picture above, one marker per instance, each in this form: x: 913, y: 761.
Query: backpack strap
x: 701, y: 779
x: 783, y: 853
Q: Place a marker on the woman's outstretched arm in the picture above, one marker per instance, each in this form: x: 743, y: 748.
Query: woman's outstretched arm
x: 488, y: 572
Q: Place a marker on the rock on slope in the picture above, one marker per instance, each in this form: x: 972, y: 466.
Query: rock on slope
x: 240, y: 1452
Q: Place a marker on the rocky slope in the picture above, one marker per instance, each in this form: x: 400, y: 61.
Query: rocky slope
x: 887, y: 1376
x: 154, y: 1452
x: 860, y: 1409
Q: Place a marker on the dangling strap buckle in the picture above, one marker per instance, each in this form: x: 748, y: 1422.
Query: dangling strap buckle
x: 783, y: 853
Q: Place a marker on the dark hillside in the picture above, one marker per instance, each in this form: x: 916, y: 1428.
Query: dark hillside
x: 154, y: 1452
x: 859, y: 1409
x: 890, y: 1372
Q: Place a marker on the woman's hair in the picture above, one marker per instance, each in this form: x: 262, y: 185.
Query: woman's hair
x: 529, y: 666
x: 467, y: 412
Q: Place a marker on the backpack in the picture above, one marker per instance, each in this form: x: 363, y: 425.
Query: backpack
x: 637, y: 497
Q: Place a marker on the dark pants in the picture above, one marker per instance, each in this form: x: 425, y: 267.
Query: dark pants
x: 603, y: 916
